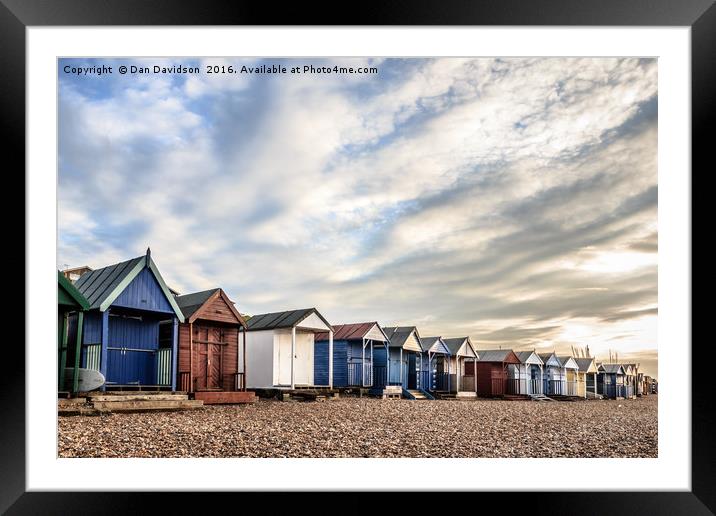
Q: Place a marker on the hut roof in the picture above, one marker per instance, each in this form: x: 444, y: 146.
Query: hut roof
x: 530, y: 356
x: 287, y: 319
x: 565, y: 361
x: 399, y: 334
x: 585, y: 364
x: 191, y: 304
x: 102, y: 286
x: 353, y: 331
x: 454, y: 344
x: 74, y: 294
x: 497, y: 355
x: 612, y: 368
x: 434, y: 344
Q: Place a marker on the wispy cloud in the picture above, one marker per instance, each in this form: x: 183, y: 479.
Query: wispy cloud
x: 513, y: 200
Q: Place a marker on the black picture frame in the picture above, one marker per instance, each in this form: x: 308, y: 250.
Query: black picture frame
x: 17, y: 15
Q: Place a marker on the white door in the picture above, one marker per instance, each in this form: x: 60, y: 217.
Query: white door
x: 304, y: 359
x: 284, y: 359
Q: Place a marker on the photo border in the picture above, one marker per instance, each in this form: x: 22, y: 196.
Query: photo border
x: 17, y: 15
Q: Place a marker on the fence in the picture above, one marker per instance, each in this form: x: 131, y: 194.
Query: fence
x: 93, y: 353
x: 164, y: 366
x: 360, y: 374
x: 441, y: 382
x: 554, y: 387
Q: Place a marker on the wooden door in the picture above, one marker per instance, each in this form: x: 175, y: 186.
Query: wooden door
x: 208, y: 345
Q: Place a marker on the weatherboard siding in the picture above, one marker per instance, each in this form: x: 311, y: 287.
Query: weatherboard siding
x: 340, y: 363
x: 144, y: 293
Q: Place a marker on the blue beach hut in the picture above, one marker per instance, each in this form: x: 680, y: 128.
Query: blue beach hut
x: 354, y: 347
x: 130, y: 331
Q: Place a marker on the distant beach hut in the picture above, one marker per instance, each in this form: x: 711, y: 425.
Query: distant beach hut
x: 436, y: 364
x: 554, y: 378
x: 610, y: 381
x: 130, y: 332
x: 280, y: 349
x: 527, y: 376
x: 571, y: 372
x: 354, y: 347
x: 586, y: 377
x: 631, y: 380
x: 492, y: 371
x: 462, y: 366
x: 405, y: 358
x: 70, y: 302
x: 209, y: 341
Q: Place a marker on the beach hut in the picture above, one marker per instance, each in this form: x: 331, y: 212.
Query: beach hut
x: 209, y: 341
x: 404, y: 359
x: 586, y: 377
x: 70, y: 303
x: 436, y: 364
x: 492, y: 371
x: 462, y: 366
x: 280, y: 349
x: 354, y: 347
x: 130, y: 332
x: 570, y: 370
x: 554, y: 377
x: 631, y: 380
x: 610, y: 381
x: 526, y: 377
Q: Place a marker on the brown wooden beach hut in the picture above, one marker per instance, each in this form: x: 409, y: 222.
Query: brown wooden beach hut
x: 492, y: 367
x: 209, y: 341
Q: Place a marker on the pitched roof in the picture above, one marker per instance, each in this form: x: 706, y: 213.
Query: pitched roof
x: 612, y: 368
x: 496, y: 355
x: 102, y: 286
x: 399, y: 334
x: 564, y: 359
x: 353, y: 331
x: 584, y: 363
x: 98, y: 285
x: 287, y: 319
x: 427, y: 343
x: 72, y: 291
x: 524, y: 356
x: 190, y: 303
x: 455, y: 343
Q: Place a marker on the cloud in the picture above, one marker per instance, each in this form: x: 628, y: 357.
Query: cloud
x: 513, y: 200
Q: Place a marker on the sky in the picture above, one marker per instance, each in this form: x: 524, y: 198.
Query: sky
x: 513, y: 200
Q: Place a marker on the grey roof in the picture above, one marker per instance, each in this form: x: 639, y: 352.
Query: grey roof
x: 98, y: 284
x: 285, y: 319
x: 190, y: 303
x: 564, y: 359
x: 612, y: 368
x: 454, y: 344
x: 399, y: 334
x: 546, y: 356
x: 583, y: 363
x: 493, y: 355
x: 524, y: 355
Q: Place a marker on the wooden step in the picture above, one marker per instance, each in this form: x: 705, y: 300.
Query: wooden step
x: 141, y: 406
x: 225, y: 397
x: 119, y: 398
